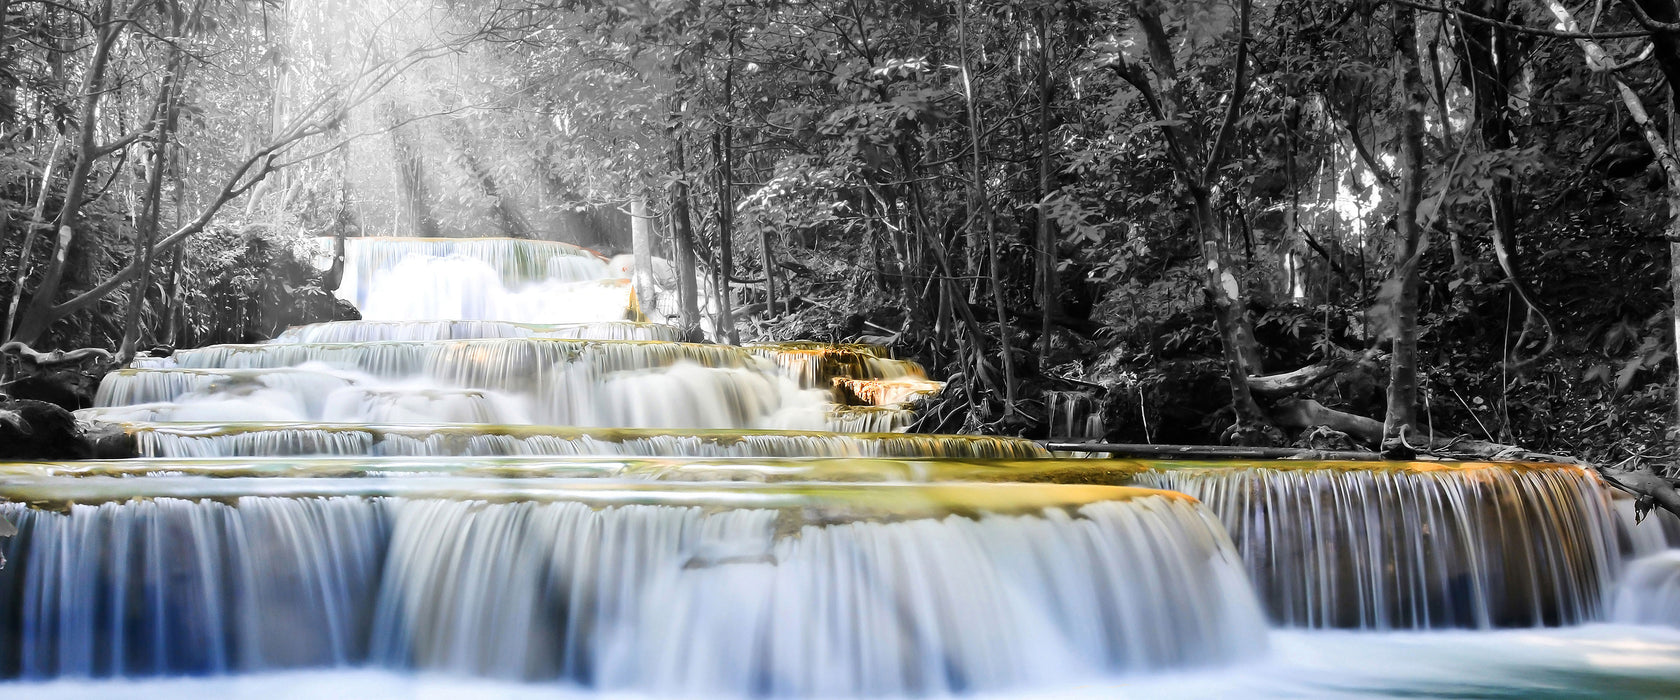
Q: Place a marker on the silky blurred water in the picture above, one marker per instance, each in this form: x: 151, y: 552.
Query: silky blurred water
x: 390, y: 578
x: 1592, y: 661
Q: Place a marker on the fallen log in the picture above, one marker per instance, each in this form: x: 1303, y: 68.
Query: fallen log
x: 1303, y: 414
x: 1284, y: 384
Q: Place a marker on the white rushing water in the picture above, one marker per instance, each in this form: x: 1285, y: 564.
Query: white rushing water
x: 1650, y: 592
x: 1589, y: 662
x: 501, y: 484
x: 396, y: 279
x: 662, y: 598
x: 1415, y: 545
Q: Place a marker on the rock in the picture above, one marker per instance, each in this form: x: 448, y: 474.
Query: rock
x: 37, y: 430
x: 108, y: 440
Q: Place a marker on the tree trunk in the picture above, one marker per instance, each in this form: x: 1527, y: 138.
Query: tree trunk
x: 682, y: 237
x: 981, y: 208
x: 1224, y: 286
x: 1488, y: 54
x: 172, y: 328
x: 411, y: 179
x: 1400, y: 420
x: 770, y: 270
x: 1046, y: 235
x: 1667, y: 55
x: 723, y: 143
x: 641, y: 248
x: 1240, y: 348
x: 32, y: 227
x: 150, y: 209
x: 38, y: 316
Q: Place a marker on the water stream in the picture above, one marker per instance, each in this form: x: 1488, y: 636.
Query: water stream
x: 502, y: 484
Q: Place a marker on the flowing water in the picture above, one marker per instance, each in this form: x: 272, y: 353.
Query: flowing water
x: 503, y: 484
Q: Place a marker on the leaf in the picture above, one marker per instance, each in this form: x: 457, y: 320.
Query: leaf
x: 1624, y: 378
x: 1383, y: 316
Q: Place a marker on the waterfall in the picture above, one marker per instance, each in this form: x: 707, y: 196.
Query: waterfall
x: 868, y: 419
x: 168, y: 586
x: 1650, y: 592
x: 1333, y: 544
x: 269, y: 439
x: 1074, y: 415
x: 402, y: 279
x: 374, y: 331
x: 261, y: 439
x: 819, y: 364
x: 501, y: 475
x: 1657, y: 531
x: 520, y: 380
x: 885, y: 392
x: 815, y: 590
x: 1413, y: 545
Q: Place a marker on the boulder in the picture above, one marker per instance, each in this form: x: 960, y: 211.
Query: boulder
x: 37, y: 430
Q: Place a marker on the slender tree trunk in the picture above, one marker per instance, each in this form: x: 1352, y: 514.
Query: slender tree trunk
x: 725, y: 222
x: 149, y: 215
x: 682, y: 238
x: 411, y: 179
x: 172, y: 329
x: 5, y: 106
x: 723, y: 141
x: 1046, y: 234
x: 33, y: 226
x: 981, y: 208
x: 1667, y: 55
x: 37, y: 316
x: 1400, y: 430
x: 1225, y: 294
x: 641, y: 248
x: 1220, y: 275
x: 770, y: 270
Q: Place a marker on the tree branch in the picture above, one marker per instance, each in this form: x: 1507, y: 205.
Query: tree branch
x: 1239, y: 90
x: 1522, y: 28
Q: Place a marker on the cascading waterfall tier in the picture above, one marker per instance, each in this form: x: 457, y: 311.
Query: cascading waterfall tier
x: 489, y: 279
x: 1413, y: 545
x: 819, y: 364
x: 268, y: 439
x: 1390, y: 546
x: 885, y: 392
x: 488, y: 478
x: 503, y: 361
x: 761, y: 470
x: 1649, y: 593
x: 1402, y: 545
x: 805, y: 590
x: 869, y: 419
x: 375, y: 331
x: 505, y: 380
x: 515, y: 260
x: 513, y: 356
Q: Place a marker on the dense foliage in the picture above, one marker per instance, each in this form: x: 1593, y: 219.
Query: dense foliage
x: 1456, y: 217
